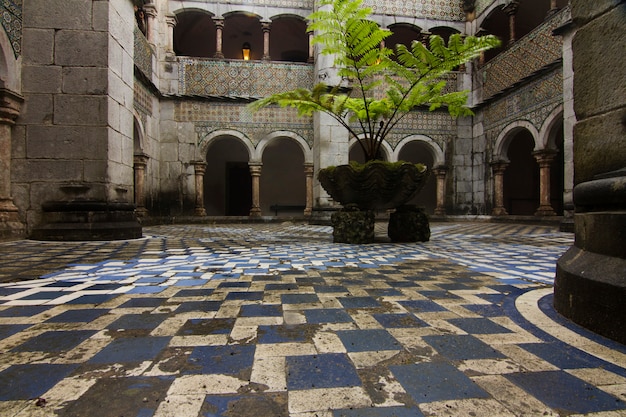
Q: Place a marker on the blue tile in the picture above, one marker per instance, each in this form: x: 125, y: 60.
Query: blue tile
x: 329, y: 288
x: 403, y: 284
x: 23, y: 311
x: 299, y: 298
x: 189, y: 306
x: 244, y: 404
x: 55, y: 341
x: 566, y: 393
x: 241, y: 295
x: 436, y: 381
x: 93, y: 299
x: 261, y: 310
x: 281, y: 287
x: 368, y: 340
x: 383, y: 292
x: 194, y: 292
x: 147, y: 289
x: 462, y: 347
x: 379, y: 412
x: 206, y: 326
x: 486, y: 310
x: 436, y: 294
x: 421, y: 306
x: 131, y: 349
x: 190, y: 282
x: 233, y: 284
x: 479, y: 326
x: 137, y: 321
x: 358, y: 302
x: 104, y: 287
x: 330, y: 370
x: 144, y: 302
x: 284, y: 333
x: 78, y: 316
x: 60, y: 284
x: 228, y: 359
x: 43, y: 295
x: 399, y: 320
x: 327, y: 315
x: 25, y: 382
x: 7, y: 330
x: 563, y: 356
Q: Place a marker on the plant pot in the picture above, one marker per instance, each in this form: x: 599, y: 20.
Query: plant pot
x: 375, y: 185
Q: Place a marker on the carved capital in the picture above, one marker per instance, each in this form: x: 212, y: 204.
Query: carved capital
x: 10, y: 105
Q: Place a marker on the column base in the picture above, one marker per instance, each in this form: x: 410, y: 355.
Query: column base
x: 200, y: 211
x: 255, y: 212
x: 87, y: 220
x: 10, y: 225
x: 499, y: 211
x: 545, y: 211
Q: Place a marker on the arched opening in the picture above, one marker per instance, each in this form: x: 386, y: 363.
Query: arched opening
x: 227, y: 179
x: 356, y: 153
x: 496, y: 23
x: 443, y: 31
x: 283, y: 181
x: 421, y: 152
x: 240, y: 29
x: 402, y: 34
x: 194, y: 35
x: 289, y: 40
x: 521, y: 178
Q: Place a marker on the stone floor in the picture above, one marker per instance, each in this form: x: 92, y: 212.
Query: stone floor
x: 276, y: 320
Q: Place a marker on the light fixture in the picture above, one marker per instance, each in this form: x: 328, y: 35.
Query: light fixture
x: 245, y: 51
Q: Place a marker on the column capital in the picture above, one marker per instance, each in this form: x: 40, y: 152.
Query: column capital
x: 10, y: 106
x: 140, y: 159
x: 266, y: 26
x: 545, y: 155
x: 150, y: 10
x: 499, y: 165
x: 219, y: 22
x: 171, y: 20
x: 511, y: 7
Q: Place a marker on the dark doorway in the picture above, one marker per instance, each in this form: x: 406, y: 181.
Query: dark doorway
x: 521, y: 178
x: 238, y: 189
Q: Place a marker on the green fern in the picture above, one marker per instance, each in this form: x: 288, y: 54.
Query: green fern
x: 344, y: 30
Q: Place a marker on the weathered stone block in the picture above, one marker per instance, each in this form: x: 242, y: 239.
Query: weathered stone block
x: 85, y: 80
x: 57, y: 14
x: 355, y: 227
x: 81, y: 48
x: 37, y: 109
x: 67, y: 142
x: 585, y: 10
x: 38, y: 46
x: 408, y: 224
x: 41, y: 79
x: 82, y: 110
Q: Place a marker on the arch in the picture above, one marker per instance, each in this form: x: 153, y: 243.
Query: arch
x: 385, y: 149
x: 304, y: 146
x: 194, y: 34
x: 138, y: 134
x: 10, y: 74
x: 436, y: 151
x: 444, y: 31
x: 220, y: 133
x: 289, y: 40
x: 241, y: 27
x: 506, y: 135
x: 547, y: 132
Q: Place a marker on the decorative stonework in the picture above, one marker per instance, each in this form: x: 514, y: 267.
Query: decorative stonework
x: 532, y: 102
x: 482, y: 5
x: 11, y: 13
x: 143, y: 54
x: 529, y: 54
x: 210, y: 117
x: 297, y: 4
x: 448, y: 10
x: 236, y: 78
x: 439, y: 126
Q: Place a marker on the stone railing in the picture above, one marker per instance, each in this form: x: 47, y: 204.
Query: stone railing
x: 143, y: 54
x: 236, y: 78
x: 536, y: 50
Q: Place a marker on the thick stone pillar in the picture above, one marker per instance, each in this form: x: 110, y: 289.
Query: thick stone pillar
x: 544, y: 159
x: 511, y: 9
x: 140, y: 163
x: 265, y: 27
x: 10, y: 224
x: 255, y: 171
x: 590, y: 284
x: 151, y: 23
x: 498, y: 168
x: 308, y: 173
x: 171, y: 21
x: 219, y: 29
x: 199, y: 168
x: 440, y: 173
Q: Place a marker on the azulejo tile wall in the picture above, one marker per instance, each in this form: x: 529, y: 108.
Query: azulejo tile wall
x: 529, y: 54
x: 11, y: 12
x: 449, y: 10
x: 143, y: 54
x: 299, y: 4
x: 236, y: 78
x: 208, y: 117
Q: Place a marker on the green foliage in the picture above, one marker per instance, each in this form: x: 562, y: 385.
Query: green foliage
x: 344, y: 30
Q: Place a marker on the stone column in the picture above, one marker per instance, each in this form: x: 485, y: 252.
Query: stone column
x: 219, y: 28
x: 199, y: 168
x: 139, y: 167
x: 265, y: 26
x: 10, y: 105
x: 544, y: 159
x: 255, y: 171
x: 440, y: 173
x: 511, y: 9
x: 151, y: 30
x: 171, y: 21
x: 498, y: 168
x: 308, y: 172
x: 311, y: 48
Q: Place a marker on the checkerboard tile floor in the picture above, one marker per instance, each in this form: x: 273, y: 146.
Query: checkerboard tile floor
x: 276, y: 320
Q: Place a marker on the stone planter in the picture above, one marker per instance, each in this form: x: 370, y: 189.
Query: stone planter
x: 376, y: 185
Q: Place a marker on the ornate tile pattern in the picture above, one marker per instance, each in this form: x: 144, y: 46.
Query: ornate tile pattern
x: 142, y: 99
x: 482, y: 5
x: 449, y: 10
x: 532, y: 102
x: 143, y: 54
x: 297, y: 4
x: 236, y: 78
x: 526, y: 56
x: 11, y: 13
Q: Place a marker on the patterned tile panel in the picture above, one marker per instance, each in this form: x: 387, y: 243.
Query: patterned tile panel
x: 143, y: 54
x: 236, y: 78
x: 297, y: 4
x: 449, y: 10
x: 11, y: 13
x: 526, y: 56
x: 142, y: 99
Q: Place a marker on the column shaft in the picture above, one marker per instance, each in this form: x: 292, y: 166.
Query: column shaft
x: 544, y: 158
x: 199, y: 170
x: 139, y: 167
x: 255, y: 171
x: 308, y: 172
x: 498, y: 188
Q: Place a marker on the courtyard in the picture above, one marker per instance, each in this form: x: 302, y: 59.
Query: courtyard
x: 273, y: 319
